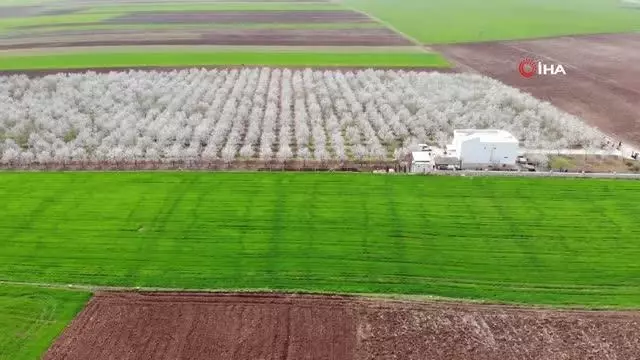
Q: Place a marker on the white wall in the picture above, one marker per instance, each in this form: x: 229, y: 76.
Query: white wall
x: 421, y: 167
x: 473, y: 151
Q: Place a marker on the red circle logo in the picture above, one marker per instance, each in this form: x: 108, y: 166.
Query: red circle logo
x: 527, y: 68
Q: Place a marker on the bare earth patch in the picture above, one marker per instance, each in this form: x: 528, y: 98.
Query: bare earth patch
x: 242, y: 17
x: 7, y: 12
x: 271, y: 326
x: 286, y: 37
x: 73, y: 38
x: 602, y: 84
x: 413, y: 331
x: 193, y: 326
x: 93, y: 3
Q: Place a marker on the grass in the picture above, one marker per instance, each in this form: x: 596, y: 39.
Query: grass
x: 453, y: 21
x: 194, y: 58
x: 542, y: 241
x: 30, y: 318
x: 10, y: 23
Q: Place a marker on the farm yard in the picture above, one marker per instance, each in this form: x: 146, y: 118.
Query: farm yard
x: 299, y: 85
x: 263, y: 114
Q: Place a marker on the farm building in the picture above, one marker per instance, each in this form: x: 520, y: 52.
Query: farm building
x: 421, y: 161
x: 482, y: 148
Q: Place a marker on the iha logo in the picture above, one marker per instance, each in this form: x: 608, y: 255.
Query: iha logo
x: 529, y: 68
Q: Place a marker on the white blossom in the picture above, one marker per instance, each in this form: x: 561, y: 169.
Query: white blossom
x: 264, y: 113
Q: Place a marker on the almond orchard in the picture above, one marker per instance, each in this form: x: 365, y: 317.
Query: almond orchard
x: 264, y: 114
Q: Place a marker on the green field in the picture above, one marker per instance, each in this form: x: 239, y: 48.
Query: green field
x: 11, y: 23
x: 429, y: 22
x: 543, y: 241
x: 74, y: 60
x: 451, y: 21
x: 30, y: 318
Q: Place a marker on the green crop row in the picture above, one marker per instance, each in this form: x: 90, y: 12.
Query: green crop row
x: 295, y: 58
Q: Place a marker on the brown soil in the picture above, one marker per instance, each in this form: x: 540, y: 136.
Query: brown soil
x: 63, y: 11
x: 169, y: 326
x: 602, y: 84
x: 297, y: 37
x: 242, y: 17
x: 78, y: 36
x: 94, y: 3
x: 594, y: 164
x: 19, y: 11
x: 270, y: 326
x: 344, y: 37
x: 476, y: 332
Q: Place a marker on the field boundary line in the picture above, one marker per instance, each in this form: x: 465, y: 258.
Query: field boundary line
x: 210, y: 49
x: 456, y: 61
x: 212, y: 4
x: 415, y: 41
x: 390, y: 297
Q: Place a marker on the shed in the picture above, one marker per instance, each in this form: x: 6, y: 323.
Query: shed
x: 421, y: 161
x: 477, y: 148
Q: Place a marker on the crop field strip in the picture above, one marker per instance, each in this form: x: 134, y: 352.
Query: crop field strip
x: 544, y: 241
x: 48, y: 30
x: 204, y: 17
x: 244, y: 16
x: 495, y: 18
x: 76, y: 16
x: 123, y: 59
x: 266, y: 37
x: 265, y: 24
x: 31, y: 318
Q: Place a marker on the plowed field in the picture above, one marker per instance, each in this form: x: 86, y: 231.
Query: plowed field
x: 268, y: 326
x: 286, y: 37
x: 245, y: 16
x: 602, y: 84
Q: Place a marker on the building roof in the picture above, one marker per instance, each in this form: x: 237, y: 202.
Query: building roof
x: 485, y: 135
x: 421, y: 156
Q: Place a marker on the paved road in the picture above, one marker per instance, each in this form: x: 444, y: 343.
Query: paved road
x: 537, y: 174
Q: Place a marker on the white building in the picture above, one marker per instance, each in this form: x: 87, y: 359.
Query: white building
x: 421, y: 161
x: 482, y: 148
